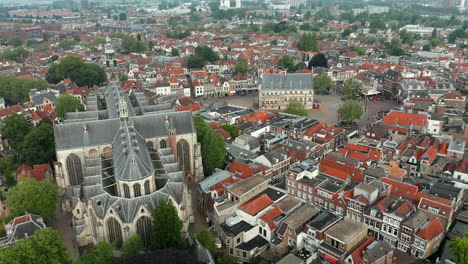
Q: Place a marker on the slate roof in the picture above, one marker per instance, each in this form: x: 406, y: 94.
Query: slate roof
x: 292, y: 81
x: 131, y: 159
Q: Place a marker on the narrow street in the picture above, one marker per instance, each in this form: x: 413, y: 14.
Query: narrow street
x: 62, y: 223
x: 199, y: 219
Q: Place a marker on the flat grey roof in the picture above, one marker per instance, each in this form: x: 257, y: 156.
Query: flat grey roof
x: 346, y: 230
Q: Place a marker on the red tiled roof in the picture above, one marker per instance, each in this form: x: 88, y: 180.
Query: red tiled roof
x: 406, y: 119
x: 244, y: 171
x: 40, y: 171
x: 257, y: 204
x: 270, y: 216
x: 358, y: 252
x: 432, y: 230
x: 401, y: 189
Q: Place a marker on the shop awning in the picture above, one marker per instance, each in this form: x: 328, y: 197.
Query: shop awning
x: 330, y: 259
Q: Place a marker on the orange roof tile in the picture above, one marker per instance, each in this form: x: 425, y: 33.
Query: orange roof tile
x: 401, y: 189
x: 358, y: 252
x: 432, y: 230
x: 270, y: 216
x: 257, y: 204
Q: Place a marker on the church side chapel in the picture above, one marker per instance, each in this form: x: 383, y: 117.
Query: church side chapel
x: 122, y: 156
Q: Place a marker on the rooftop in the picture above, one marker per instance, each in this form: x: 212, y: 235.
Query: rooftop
x: 346, y: 230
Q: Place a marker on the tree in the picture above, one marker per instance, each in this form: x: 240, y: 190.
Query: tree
x: 150, y: 45
x: 426, y: 47
x: 132, y: 246
x: 206, y: 238
x: 307, y: 42
x: 255, y: 260
x: 10, y: 179
x: 122, y: 16
x: 195, y: 62
x: 102, y: 253
x: 287, y: 62
x: 351, y: 110
x: 36, y: 197
x: 83, y: 74
x: 318, y: 60
x: 16, y: 90
x: 294, y: 107
x: 53, y: 58
x: 322, y: 83
x: 39, y: 145
x: 227, y: 259
x: 167, y: 227
x: 15, y: 128
x: 15, y: 41
x: 206, y: 53
x: 458, y: 33
x: 19, y: 54
x: 175, y: 52
x: 352, y: 87
x: 124, y: 78
x: 233, y: 130
x: 131, y: 44
x: 213, y: 151
x: 241, y: 67
x: 459, y: 249
x: 274, y: 42
x: 43, y: 247
x: 67, y: 103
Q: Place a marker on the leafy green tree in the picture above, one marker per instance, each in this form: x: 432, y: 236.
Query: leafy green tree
x: 201, y: 127
x: 83, y: 74
x: 255, y: 260
x: 436, y: 42
x: 53, y: 58
x: 351, y: 110
x: 15, y: 41
x: 150, y: 45
x: 167, y: 227
x: 287, y: 62
x: 459, y: 249
x: 300, y: 65
x: 206, y: 238
x: 352, y: 87
x: 426, y: 47
x: 102, y: 253
x: 43, y: 247
x: 16, y: 90
x: 294, y: 107
x: 206, y: 53
x: 213, y: 151
x: 19, y: 54
x: 36, y: 197
x: 67, y: 43
x: 226, y: 259
x: 67, y: 103
x: 39, y: 145
x: 123, y: 78
x: 131, y: 44
x: 318, y: 60
x: 241, y: 67
x: 10, y: 179
x: 175, y: 52
x: 307, y: 42
x: 458, y: 33
x: 361, y: 51
x: 274, y: 43
x: 322, y: 83
x: 132, y: 246
x: 195, y: 62
x: 232, y: 129
x: 15, y: 128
